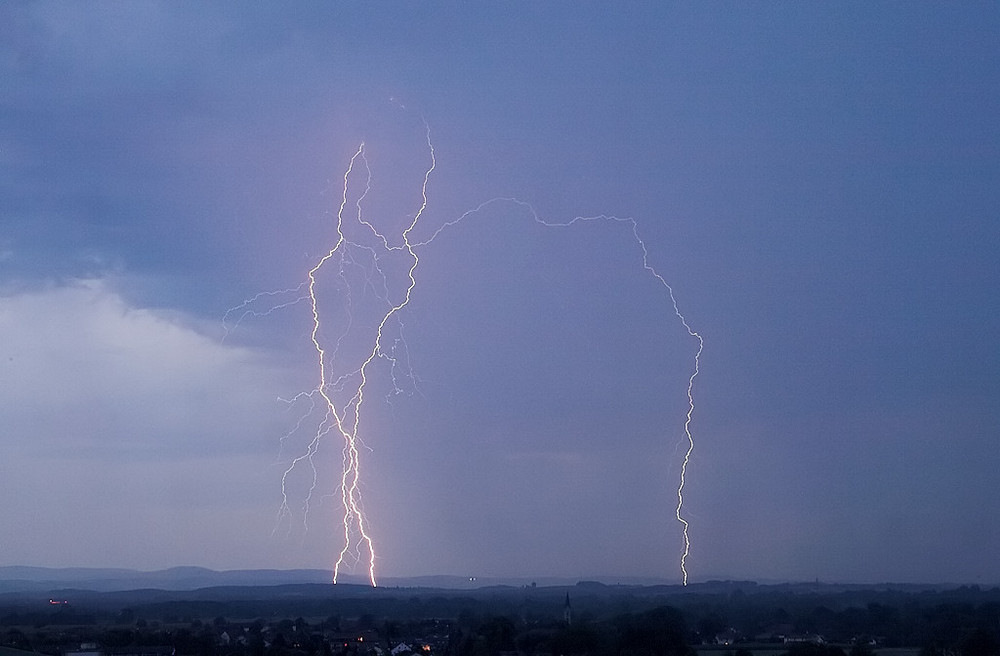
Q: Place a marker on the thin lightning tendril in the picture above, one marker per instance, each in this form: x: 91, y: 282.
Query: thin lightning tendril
x: 345, y: 418
x: 689, y: 438
x: 246, y: 308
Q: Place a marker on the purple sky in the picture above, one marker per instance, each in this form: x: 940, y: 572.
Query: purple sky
x: 820, y: 184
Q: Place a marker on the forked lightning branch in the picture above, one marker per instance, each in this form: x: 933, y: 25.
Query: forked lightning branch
x: 355, y: 265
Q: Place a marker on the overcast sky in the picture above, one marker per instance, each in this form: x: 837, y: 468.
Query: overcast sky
x: 819, y: 183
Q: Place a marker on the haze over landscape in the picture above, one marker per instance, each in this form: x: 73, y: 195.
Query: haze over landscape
x: 819, y: 184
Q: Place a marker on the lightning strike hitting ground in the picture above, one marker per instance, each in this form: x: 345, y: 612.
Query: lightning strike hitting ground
x: 634, y: 229
x: 358, y: 261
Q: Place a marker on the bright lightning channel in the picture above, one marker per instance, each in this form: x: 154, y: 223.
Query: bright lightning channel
x: 344, y: 417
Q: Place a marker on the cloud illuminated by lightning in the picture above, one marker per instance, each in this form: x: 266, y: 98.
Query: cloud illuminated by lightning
x: 360, y: 261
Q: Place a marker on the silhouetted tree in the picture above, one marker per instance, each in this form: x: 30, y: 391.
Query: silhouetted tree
x: 980, y: 643
x: 658, y: 632
x: 710, y: 626
x: 498, y: 634
x: 366, y: 621
x: 576, y: 638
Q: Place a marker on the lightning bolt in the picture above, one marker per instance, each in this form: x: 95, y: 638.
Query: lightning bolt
x: 346, y: 418
x: 634, y: 229
x: 343, y: 415
x: 343, y: 389
x: 687, y: 433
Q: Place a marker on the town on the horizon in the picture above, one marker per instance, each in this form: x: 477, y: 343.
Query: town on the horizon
x: 97, y: 617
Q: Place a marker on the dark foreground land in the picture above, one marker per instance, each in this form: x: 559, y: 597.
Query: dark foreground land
x: 710, y: 619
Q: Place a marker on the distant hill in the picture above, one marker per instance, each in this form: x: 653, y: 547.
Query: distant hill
x: 20, y: 579
x: 39, y: 579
